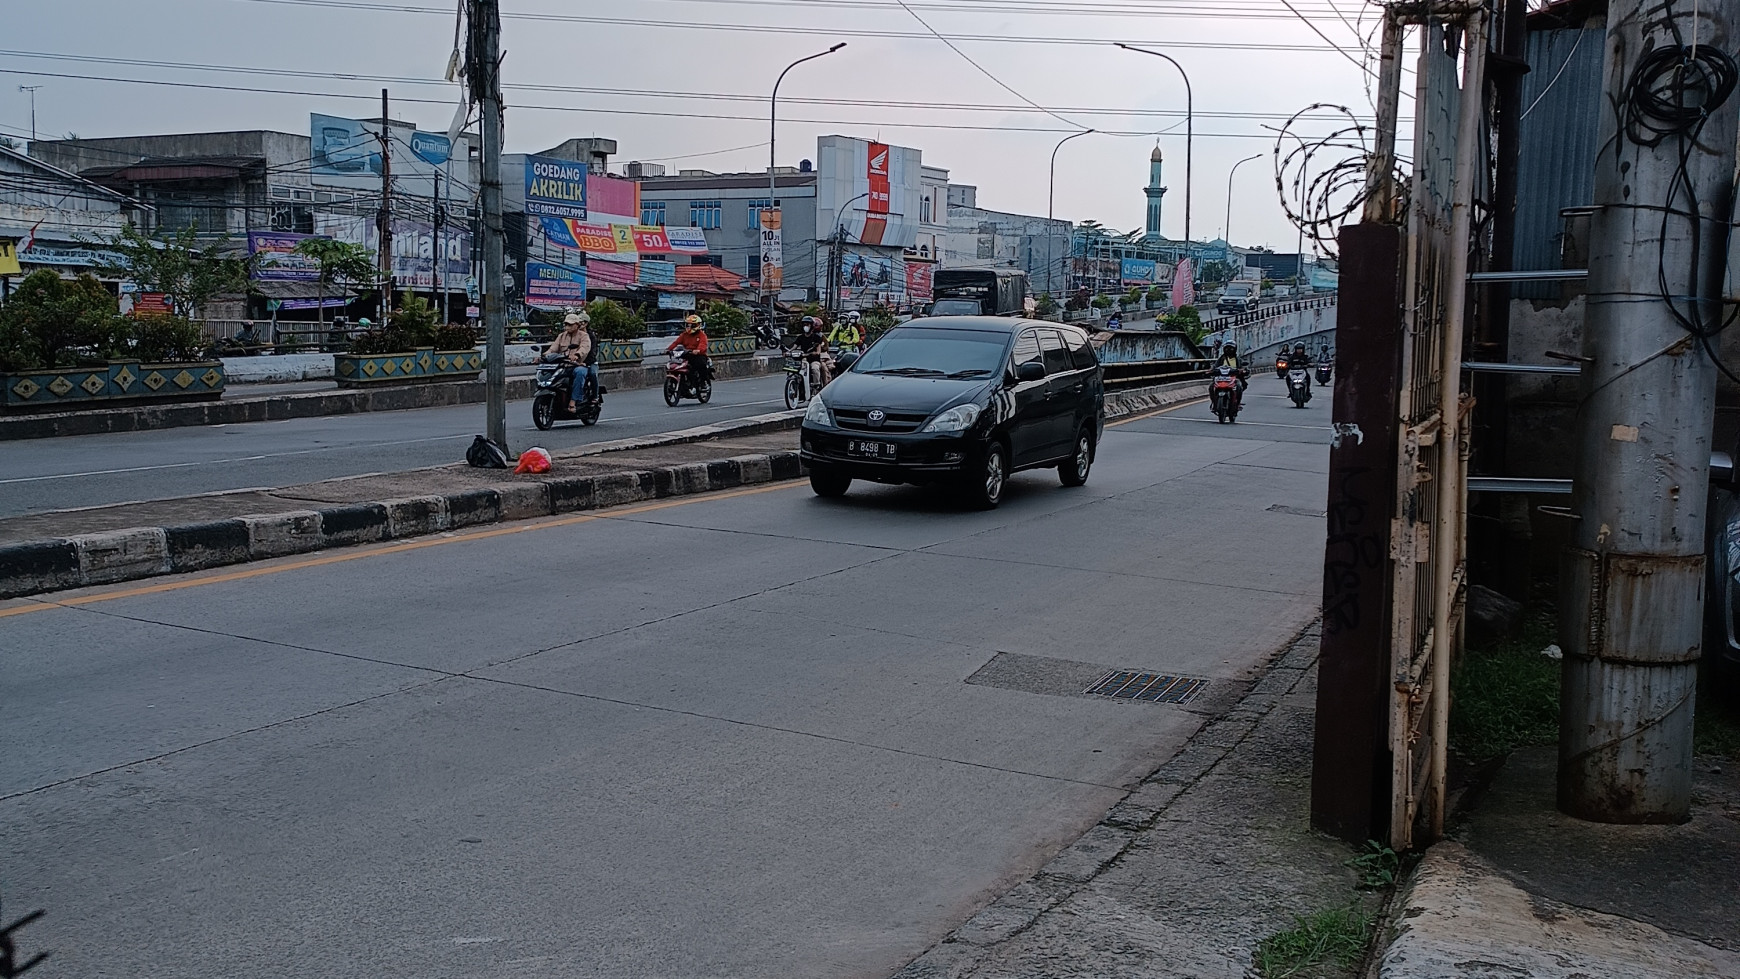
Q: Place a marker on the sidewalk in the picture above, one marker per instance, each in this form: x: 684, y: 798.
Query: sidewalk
x: 1187, y: 876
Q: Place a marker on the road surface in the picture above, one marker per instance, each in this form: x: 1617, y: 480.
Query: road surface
x: 97, y: 470
x: 753, y: 733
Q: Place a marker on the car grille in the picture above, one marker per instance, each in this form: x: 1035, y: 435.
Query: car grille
x: 858, y: 420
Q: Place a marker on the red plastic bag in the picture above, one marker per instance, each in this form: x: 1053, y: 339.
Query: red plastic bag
x: 533, y: 460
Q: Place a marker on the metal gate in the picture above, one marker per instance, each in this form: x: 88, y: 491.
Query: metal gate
x: 1427, y: 534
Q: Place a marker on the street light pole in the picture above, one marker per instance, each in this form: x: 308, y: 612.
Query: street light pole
x: 772, y: 176
x: 1189, y: 131
x: 1226, y: 229
x: 838, y: 243
x: 1304, y: 158
x: 32, y: 90
x: 1050, y: 204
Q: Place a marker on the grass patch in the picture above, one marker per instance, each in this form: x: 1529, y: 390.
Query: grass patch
x: 1506, y: 696
x: 1337, y: 936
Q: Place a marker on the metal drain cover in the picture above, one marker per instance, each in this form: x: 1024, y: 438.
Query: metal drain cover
x: 1158, y: 688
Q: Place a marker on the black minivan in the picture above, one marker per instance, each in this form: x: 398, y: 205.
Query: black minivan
x: 964, y: 400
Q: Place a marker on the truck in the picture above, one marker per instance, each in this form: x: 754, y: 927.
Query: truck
x: 978, y: 292
x: 1240, y: 296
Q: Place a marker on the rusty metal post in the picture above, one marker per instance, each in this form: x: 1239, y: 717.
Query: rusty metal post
x: 1350, y: 762
x: 1632, y: 601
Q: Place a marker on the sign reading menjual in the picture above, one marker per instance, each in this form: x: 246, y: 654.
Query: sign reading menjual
x: 555, y: 188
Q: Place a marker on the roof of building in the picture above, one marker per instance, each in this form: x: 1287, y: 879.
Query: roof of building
x: 1155, y: 157
x: 63, y: 174
x: 176, y: 168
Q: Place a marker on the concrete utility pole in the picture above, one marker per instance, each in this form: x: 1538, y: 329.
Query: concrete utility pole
x: 485, y: 76
x: 1633, y: 582
x: 385, y: 217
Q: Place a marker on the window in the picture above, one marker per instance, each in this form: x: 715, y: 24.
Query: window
x: 206, y: 217
x: 1026, y: 349
x: 706, y: 214
x: 924, y: 210
x: 299, y: 220
x: 653, y: 213
x: 755, y: 209
x: 1080, y: 349
x: 1057, y: 359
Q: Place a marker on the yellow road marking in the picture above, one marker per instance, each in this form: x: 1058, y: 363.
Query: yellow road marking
x: 41, y: 605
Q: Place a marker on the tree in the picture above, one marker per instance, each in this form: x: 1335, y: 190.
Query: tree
x: 721, y: 319
x: 341, y: 263
x: 55, y: 322
x: 613, y: 321
x: 1217, y: 272
x: 177, y: 265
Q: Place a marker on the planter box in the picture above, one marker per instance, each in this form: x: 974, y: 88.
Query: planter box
x: 731, y: 347
x: 613, y: 353
x: 118, y: 382
x: 419, y: 366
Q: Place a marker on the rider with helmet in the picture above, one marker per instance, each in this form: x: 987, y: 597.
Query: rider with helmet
x: 693, y: 340
x: 814, y: 349
x: 846, y: 334
x: 577, y: 346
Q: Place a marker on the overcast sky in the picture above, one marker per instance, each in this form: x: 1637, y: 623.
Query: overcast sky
x: 675, y: 46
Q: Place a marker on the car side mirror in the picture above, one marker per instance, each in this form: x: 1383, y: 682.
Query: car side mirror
x: 1033, y: 370
x: 1722, y: 471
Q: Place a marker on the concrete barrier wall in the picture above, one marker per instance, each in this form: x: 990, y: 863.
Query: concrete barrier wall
x: 1313, y: 326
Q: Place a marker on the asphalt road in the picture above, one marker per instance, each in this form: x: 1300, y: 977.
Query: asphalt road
x: 752, y: 733
x: 97, y: 470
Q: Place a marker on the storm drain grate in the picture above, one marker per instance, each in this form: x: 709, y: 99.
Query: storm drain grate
x: 1157, y: 688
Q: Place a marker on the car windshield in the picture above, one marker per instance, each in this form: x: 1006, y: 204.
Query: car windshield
x: 935, y: 353
x: 956, y: 307
x: 1235, y: 292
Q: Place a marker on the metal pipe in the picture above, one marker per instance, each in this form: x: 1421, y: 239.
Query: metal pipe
x: 772, y: 174
x: 1528, y: 275
x: 1226, y: 229
x: 1452, y: 498
x: 1051, y: 202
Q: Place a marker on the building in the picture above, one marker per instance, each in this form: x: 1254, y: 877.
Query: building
x: 58, y: 212
x: 1155, y: 193
x: 982, y: 238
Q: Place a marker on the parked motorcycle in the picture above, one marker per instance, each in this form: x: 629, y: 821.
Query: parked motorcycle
x: 550, y: 405
x: 1298, y: 386
x: 1223, y: 394
x: 682, y: 380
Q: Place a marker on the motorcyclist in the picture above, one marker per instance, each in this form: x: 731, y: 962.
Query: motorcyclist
x: 1229, y: 358
x: 846, y: 335
x: 577, y: 346
x: 1115, y: 322
x: 814, y: 350
x: 1299, y: 360
x: 693, y: 340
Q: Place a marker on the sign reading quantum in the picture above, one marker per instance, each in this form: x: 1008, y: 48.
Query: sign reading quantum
x: 555, y: 188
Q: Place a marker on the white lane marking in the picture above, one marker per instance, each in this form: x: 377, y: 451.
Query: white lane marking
x: 1306, y: 428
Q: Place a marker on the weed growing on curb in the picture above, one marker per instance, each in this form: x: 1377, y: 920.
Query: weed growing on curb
x: 1506, y: 696
x: 1378, y: 866
x: 1338, y: 935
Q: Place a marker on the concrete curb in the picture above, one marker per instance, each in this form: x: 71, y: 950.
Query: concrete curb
x: 34, y: 567
x: 315, y: 404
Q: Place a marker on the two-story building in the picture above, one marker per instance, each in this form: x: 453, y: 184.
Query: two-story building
x: 58, y: 213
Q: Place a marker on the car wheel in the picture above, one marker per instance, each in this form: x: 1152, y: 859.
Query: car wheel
x: 1074, y: 470
x: 544, y: 411
x: 672, y: 391
x: 983, y: 490
x: 828, y: 483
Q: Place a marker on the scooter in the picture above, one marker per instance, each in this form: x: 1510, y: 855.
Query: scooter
x: 1323, y: 372
x: 1281, y: 366
x: 1298, y: 387
x: 1223, y: 395
x: 550, y: 405
x: 681, y: 381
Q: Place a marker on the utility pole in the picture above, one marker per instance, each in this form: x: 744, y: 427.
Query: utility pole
x: 384, y: 218
x: 1632, y: 602
x: 440, y: 248
x: 32, y: 90
x: 485, y: 78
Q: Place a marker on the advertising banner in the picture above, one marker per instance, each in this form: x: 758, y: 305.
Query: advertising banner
x: 414, y: 248
x: 627, y: 240
x: 1137, y: 272
x: 555, y: 188
x: 876, y: 175
x: 276, y: 259
x: 677, y: 300
x: 918, y: 282
x: 554, y: 286
x: 347, y: 153
x: 9, y: 257
x: 873, y: 189
x: 656, y: 273
x: 686, y: 241
x: 151, y: 304
x: 772, y: 254
x: 863, y: 273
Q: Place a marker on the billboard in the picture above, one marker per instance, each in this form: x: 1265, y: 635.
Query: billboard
x: 554, y: 286
x: 414, y: 248
x: 918, y: 282
x: 626, y: 240
x: 872, y: 188
x: 277, y: 260
x: 555, y: 188
x: 653, y: 273
x: 772, y: 251
x: 1137, y: 272
x: 347, y: 153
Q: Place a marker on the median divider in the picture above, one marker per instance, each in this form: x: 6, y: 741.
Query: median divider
x: 372, y: 509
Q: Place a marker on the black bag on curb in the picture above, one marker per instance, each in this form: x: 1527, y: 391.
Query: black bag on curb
x: 485, y: 454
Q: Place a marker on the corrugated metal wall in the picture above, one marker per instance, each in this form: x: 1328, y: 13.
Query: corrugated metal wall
x: 1561, y: 102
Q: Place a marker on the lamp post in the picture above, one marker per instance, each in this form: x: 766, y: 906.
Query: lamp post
x: 1304, y: 158
x: 1050, y: 203
x: 1226, y: 229
x: 838, y: 237
x: 32, y: 90
x: 1189, y: 131
x: 772, y: 176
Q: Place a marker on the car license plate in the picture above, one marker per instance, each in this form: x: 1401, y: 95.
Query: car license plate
x: 875, y: 450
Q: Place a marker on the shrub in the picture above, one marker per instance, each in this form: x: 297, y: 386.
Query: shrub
x: 1156, y: 293
x: 415, y: 319
x: 55, y: 322
x: 455, y: 336
x: 1102, y: 302
x: 613, y: 321
x: 163, y: 338
x: 876, y: 321
x: 1077, y: 302
x: 1046, y: 307
x: 722, y: 319
x: 386, y: 340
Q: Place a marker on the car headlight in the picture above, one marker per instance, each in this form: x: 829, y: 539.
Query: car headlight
x: 956, y: 419
x: 818, y: 414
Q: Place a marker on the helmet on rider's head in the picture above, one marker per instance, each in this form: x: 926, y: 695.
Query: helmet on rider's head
x: 364, y: 323
x: 691, y: 321
x: 572, y: 319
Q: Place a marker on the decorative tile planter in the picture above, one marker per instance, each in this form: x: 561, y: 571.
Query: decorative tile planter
x: 731, y: 347
x: 118, y: 382
x: 613, y: 353
x: 419, y: 366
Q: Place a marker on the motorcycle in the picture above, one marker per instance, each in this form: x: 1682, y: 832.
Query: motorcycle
x: 1323, y: 372
x: 766, y: 337
x: 798, y: 388
x: 555, y: 385
x: 1223, y: 395
x: 682, y: 381
x: 1281, y: 366
x: 1298, y: 387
